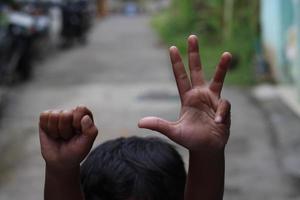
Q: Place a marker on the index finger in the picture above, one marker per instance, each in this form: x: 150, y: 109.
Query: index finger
x: 217, y: 82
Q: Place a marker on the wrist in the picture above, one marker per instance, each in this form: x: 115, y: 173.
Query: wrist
x: 62, y: 184
x: 207, y: 152
x: 62, y: 164
x: 63, y: 172
x: 205, y: 175
x: 215, y: 156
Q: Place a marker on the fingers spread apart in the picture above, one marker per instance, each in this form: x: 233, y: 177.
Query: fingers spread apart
x: 196, y: 73
x: 218, y: 79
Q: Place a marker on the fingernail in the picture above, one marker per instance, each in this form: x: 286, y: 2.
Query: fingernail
x: 218, y: 119
x: 226, y: 53
x: 193, y: 36
x: 227, y: 56
x: 173, y: 48
x: 141, y: 122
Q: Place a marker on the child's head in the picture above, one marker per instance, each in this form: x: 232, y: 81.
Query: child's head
x: 133, y: 169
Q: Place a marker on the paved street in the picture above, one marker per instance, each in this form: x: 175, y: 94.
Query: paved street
x: 124, y: 74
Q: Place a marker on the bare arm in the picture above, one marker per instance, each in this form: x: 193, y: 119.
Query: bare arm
x: 203, y: 124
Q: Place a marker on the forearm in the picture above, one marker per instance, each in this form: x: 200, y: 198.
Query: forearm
x: 63, y: 185
x: 206, y: 176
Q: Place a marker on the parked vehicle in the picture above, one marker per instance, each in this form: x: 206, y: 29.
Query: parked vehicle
x: 21, y: 30
x: 77, y: 20
x: 29, y: 28
x: 16, y: 44
x: 41, y: 27
x: 21, y: 39
x: 5, y: 42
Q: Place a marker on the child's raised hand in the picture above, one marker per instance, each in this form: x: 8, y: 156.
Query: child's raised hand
x: 204, y: 120
x: 66, y: 136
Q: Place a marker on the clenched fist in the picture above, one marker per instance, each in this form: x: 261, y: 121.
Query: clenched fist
x: 66, y: 136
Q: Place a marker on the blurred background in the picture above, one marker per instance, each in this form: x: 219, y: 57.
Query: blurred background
x: 112, y: 56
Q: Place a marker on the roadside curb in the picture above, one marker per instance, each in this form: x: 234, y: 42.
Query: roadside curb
x: 284, y: 127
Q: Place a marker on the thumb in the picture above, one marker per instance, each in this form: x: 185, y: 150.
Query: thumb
x: 157, y: 124
x: 223, y: 111
x: 88, y: 129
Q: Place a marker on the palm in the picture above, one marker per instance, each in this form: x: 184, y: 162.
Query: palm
x: 197, y: 121
x: 198, y: 126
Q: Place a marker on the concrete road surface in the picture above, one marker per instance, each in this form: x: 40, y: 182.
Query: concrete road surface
x: 124, y: 74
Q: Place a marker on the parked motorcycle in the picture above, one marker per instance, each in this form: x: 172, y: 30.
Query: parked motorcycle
x: 76, y: 17
x: 23, y: 37
x: 16, y: 42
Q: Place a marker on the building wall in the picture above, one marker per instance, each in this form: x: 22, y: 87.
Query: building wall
x: 272, y: 36
x: 296, y: 63
x: 280, y: 22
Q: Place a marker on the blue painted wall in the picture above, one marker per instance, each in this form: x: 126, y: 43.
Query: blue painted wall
x: 276, y: 18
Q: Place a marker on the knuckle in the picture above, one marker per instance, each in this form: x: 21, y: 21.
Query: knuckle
x: 44, y: 114
x: 215, y: 86
x: 182, y: 76
x: 82, y: 108
x: 66, y: 115
x: 158, y: 123
x: 53, y: 116
x: 42, y: 117
x: 196, y: 69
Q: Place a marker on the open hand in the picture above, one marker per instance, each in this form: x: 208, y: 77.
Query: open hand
x: 66, y: 137
x: 204, y: 120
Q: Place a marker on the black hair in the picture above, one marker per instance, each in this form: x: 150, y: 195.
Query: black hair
x: 133, y: 169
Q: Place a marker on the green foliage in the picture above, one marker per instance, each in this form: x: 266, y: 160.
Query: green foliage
x: 205, y: 19
x: 181, y: 16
